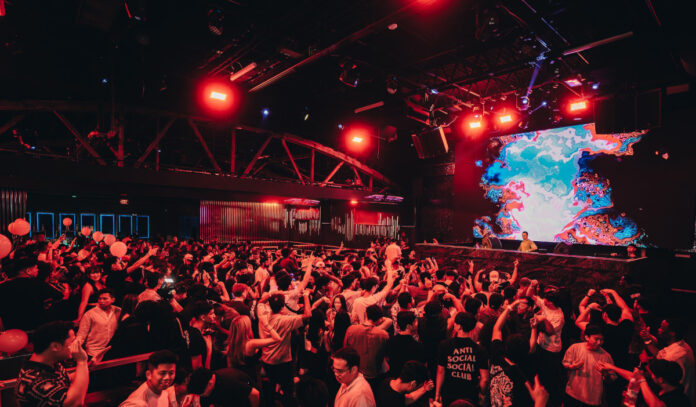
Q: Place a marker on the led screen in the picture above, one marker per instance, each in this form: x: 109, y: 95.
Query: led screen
x: 544, y: 182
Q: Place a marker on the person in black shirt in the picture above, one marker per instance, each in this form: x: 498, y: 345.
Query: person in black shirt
x: 410, y: 386
x: 223, y: 387
x: 200, y: 345
x: 43, y: 381
x: 462, y: 364
x: 507, y: 376
x: 24, y: 298
x: 402, y: 347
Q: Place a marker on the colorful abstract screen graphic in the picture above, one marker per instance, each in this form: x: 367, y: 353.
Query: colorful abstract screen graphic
x: 543, y: 182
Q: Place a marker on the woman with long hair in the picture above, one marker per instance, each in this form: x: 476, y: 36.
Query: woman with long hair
x: 243, y: 350
x: 90, y: 289
x: 337, y: 334
x: 337, y: 304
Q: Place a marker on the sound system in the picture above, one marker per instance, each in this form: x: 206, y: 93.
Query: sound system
x: 627, y: 112
x: 431, y: 143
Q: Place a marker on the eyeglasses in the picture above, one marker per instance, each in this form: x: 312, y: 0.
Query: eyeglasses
x: 340, y: 371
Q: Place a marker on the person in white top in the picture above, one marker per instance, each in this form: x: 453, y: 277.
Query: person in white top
x: 355, y: 391
x: 368, y: 296
x: 98, y: 325
x: 160, y: 374
x: 393, y: 252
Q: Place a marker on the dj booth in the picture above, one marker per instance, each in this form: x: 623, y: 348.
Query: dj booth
x: 577, y: 273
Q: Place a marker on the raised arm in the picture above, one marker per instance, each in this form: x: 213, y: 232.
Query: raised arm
x: 500, y: 322
x: 513, y: 277
x: 305, y: 278
x: 142, y: 260
x: 80, y: 379
x: 477, y: 281
x: 585, y: 300
x: 625, y: 310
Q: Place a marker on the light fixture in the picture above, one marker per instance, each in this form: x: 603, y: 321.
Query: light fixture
x: 357, y: 139
x: 217, y: 95
x: 265, y: 112
x: 578, y: 106
x: 573, y: 82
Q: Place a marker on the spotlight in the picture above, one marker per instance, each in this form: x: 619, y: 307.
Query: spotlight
x: 595, y: 86
x: 104, y: 80
x: 218, y: 95
x: 524, y: 100
x: 434, y: 91
x: 393, y: 26
x: 544, y: 103
x: 475, y: 124
x: 340, y: 126
x: 265, y: 112
x: 306, y: 116
x: 578, y: 106
x: 356, y: 139
x: 353, y: 202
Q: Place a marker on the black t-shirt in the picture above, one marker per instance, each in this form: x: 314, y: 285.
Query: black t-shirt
x: 232, y: 388
x: 24, y: 301
x: 675, y: 398
x: 400, y: 349
x: 195, y: 344
x: 507, y: 382
x: 463, y: 359
x: 385, y: 396
x: 42, y: 385
x: 617, y: 339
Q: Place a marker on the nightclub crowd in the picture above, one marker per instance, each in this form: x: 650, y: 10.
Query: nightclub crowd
x: 239, y: 324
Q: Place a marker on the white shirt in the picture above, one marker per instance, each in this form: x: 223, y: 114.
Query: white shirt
x: 681, y: 353
x: 96, y: 329
x: 144, y: 397
x: 359, y: 310
x: 356, y: 394
x: 392, y: 252
x: 552, y: 341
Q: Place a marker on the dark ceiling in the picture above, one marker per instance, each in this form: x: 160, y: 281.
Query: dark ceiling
x: 448, y: 56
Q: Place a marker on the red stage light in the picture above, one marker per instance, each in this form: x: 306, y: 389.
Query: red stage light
x: 475, y: 124
x: 506, y: 118
x: 578, y: 106
x: 357, y: 139
x: 353, y: 202
x: 218, y: 95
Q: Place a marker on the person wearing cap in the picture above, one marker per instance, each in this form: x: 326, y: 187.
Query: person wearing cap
x: 527, y: 245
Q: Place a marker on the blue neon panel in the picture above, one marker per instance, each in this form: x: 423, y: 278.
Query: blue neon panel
x: 125, y: 225
x: 88, y: 219
x: 108, y: 223
x: 46, y: 222
x: 62, y: 229
x: 142, y: 226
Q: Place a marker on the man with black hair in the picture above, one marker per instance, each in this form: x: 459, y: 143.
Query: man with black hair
x: 671, y: 333
x: 277, y: 357
x: 43, y: 381
x: 223, y: 387
x: 408, y: 387
x: 369, y: 338
x: 549, y: 321
x: 98, y: 325
x: 665, y: 374
x: 402, y: 347
x: 199, y: 345
x: 153, y: 281
x: 160, y: 374
x: 369, y: 297
x: 354, y: 390
x: 351, y: 289
x: 583, y: 361
x: 462, y: 364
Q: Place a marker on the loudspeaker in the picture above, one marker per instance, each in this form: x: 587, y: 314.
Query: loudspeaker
x: 431, y: 143
x: 626, y: 112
